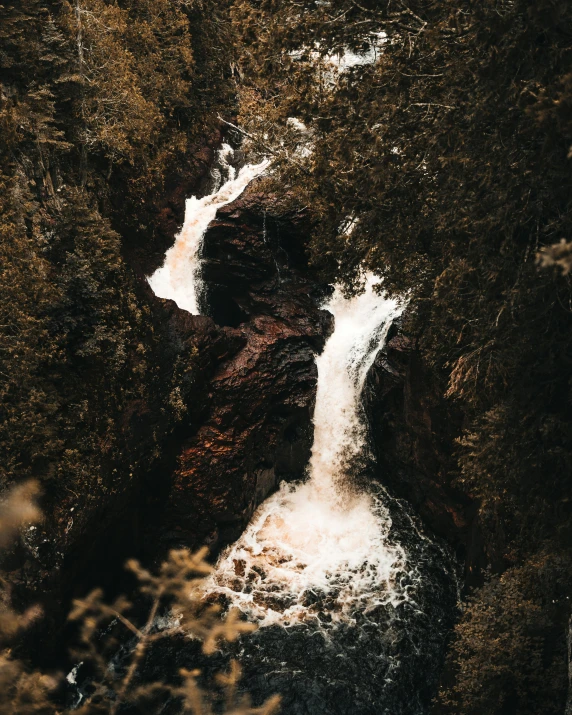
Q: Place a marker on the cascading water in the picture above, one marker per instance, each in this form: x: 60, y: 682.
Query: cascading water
x: 323, y: 534
x: 179, y: 278
x: 352, y: 599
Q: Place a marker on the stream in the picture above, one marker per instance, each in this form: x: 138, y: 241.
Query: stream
x: 353, y: 600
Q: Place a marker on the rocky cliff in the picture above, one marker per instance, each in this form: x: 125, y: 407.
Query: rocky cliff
x: 413, y: 431
x: 257, y: 348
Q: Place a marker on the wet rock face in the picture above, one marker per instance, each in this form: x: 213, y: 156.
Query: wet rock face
x: 263, y: 331
x: 412, y: 433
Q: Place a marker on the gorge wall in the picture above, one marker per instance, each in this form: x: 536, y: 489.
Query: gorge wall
x: 264, y: 329
x: 413, y: 431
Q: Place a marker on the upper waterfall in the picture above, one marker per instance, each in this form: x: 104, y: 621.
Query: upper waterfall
x: 179, y: 278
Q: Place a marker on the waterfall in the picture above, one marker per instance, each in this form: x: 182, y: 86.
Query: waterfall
x: 361, y: 326
x: 324, y: 536
x: 179, y: 278
x: 352, y: 599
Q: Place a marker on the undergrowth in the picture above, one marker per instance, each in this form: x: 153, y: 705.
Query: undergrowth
x: 176, y: 586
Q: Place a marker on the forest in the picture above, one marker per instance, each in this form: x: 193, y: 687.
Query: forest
x: 427, y: 142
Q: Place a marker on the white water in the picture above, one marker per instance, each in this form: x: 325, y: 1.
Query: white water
x: 179, y: 278
x: 333, y: 65
x: 322, y: 538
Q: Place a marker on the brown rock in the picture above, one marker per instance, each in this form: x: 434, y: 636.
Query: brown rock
x: 257, y: 427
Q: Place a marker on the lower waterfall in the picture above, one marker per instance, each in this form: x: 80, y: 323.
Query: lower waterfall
x: 323, y: 535
x: 352, y: 599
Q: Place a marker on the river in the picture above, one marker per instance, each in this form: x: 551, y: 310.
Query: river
x: 353, y: 600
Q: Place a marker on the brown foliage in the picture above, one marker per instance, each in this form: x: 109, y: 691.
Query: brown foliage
x: 559, y: 254
x: 100, y: 101
x: 21, y: 691
x: 508, y: 654
x: 178, y: 585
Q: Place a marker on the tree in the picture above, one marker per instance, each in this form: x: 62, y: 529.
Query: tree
x: 441, y: 163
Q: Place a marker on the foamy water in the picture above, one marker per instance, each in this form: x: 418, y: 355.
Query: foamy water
x: 179, y: 278
x: 320, y: 549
